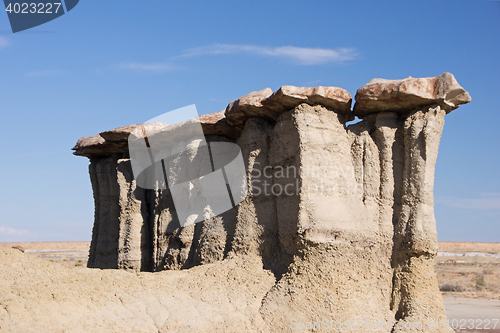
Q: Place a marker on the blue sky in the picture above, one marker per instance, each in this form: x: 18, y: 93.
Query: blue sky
x: 112, y: 63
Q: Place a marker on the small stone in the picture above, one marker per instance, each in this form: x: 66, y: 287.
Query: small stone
x: 20, y: 248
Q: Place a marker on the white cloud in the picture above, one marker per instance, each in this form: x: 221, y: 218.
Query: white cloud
x: 51, y: 72
x: 148, y: 67
x: 313, y: 82
x: 4, y: 42
x: 302, y: 55
x: 11, y: 231
x: 486, y: 202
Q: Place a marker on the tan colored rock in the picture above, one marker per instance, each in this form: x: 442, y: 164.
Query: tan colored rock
x: 212, y: 124
x: 86, y: 146
x: 346, y: 223
x: 238, y: 111
x: 329, y: 226
x: 217, y: 124
x: 409, y: 94
x: 268, y: 105
x: 88, y: 141
x: 120, y: 217
x: 288, y: 97
x: 115, y: 141
x: 121, y: 134
x: 256, y: 229
x: 201, y: 243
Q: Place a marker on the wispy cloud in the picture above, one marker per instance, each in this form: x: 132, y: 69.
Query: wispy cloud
x: 301, y: 55
x: 486, y: 202
x: 148, y: 67
x: 4, y: 42
x: 50, y: 72
x: 11, y: 231
x: 313, y: 82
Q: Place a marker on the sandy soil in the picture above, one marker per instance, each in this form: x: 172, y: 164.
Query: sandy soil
x: 443, y: 246
x: 474, y: 280
x: 38, y: 296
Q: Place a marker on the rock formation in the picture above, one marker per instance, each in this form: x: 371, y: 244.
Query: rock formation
x: 341, y: 214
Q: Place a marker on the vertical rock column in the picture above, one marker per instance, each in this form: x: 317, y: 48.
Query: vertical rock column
x: 407, y: 117
x: 120, y: 238
x: 164, y: 222
x: 256, y: 230
x: 204, y: 242
x: 416, y: 295
x: 341, y: 262
x: 104, y: 245
x: 134, y: 242
x: 386, y: 128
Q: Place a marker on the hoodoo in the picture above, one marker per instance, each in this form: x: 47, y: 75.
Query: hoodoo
x: 342, y: 214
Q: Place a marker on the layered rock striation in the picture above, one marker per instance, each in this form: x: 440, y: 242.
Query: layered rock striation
x: 342, y: 214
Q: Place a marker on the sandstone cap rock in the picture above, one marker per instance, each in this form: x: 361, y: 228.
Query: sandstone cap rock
x: 238, y: 111
x: 378, y: 95
x: 115, y: 141
x: 217, y: 124
x: 269, y: 105
x: 110, y: 142
x: 288, y: 97
x: 89, y: 145
x: 409, y: 94
x: 122, y: 133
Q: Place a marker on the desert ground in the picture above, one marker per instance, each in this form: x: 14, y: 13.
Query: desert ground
x: 71, y: 254
x: 469, y: 279
x: 468, y: 275
x: 469, y: 269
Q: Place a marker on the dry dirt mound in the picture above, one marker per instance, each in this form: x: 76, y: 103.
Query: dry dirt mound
x: 40, y: 296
